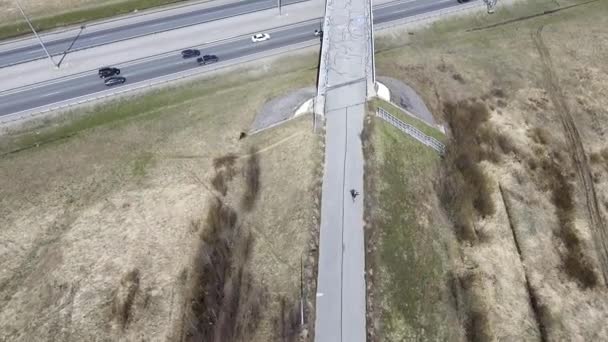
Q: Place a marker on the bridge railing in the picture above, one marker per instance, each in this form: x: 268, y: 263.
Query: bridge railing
x: 412, y: 131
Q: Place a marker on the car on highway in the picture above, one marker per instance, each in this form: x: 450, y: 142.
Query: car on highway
x: 114, y: 80
x: 318, y: 33
x: 207, y: 59
x: 260, y: 37
x: 107, y: 72
x: 189, y: 53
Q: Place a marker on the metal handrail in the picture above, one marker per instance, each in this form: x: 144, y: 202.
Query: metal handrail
x: 412, y: 131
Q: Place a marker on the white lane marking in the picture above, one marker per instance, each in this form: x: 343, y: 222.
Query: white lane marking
x: 420, y: 6
x: 157, y: 24
x: 51, y: 94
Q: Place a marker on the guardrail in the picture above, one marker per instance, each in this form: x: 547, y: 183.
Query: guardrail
x: 163, y: 80
x: 412, y: 131
x: 155, y: 32
x: 34, y: 112
x: 474, y: 5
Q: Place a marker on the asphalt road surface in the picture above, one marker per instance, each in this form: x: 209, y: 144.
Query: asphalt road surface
x: 89, y: 83
x: 123, y: 32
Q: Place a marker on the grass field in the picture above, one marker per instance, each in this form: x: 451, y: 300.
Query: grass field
x: 50, y: 14
x: 396, y: 112
x: 103, y: 210
x: 524, y: 95
x: 411, y: 263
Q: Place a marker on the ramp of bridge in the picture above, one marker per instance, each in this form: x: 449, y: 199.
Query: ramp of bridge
x: 346, y: 80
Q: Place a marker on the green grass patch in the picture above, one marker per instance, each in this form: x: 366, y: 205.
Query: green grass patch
x: 80, y: 16
x: 408, y: 262
x: 155, y: 103
x: 419, y: 124
x: 141, y: 164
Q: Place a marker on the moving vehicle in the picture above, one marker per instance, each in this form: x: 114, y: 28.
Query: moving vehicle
x: 114, y: 80
x: 107, y: 72
x: 260, y: 37
x: 189, y: 53
x: 318, y: 33
x: 207, y: 59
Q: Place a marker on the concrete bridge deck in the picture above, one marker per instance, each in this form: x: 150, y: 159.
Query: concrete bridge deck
x: 346, y: 80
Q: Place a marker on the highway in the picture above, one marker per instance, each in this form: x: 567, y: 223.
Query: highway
x: 138, y: 29
x: 77, y: 86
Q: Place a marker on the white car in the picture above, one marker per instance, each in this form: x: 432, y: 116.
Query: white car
x: 260, y: 37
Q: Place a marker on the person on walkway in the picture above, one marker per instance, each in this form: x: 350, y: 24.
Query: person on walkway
x: 354, y: 193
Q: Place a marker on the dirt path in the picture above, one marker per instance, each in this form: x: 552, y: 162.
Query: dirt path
x: 598, y: 227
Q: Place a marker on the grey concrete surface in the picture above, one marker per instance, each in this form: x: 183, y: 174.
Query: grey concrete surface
x: 281, y: 108
x: 152, y: 45
x: 407, y: 98
x: 90, y: 83
x: 340, y: 312
x: 346, y: 81
x: 125, y: 29
x: 26, y: 89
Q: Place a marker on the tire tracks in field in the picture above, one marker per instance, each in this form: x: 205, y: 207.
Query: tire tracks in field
x: 577, y: 150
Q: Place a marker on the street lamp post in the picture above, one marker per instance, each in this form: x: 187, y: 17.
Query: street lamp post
x: 36, y: 34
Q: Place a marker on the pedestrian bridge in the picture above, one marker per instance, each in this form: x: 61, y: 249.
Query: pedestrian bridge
x: 346, y: 81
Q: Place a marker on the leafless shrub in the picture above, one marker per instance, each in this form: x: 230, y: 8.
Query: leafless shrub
x: 476, y: 323
x: 286, y: 325
x: 604, y: 154
x: 252, y: 180
x: 219, y: 183
x: 226, y: 161
x: 506, y: 144
x: 600, y: 158
x: 576, y: 263
x: 578, y: 266
x: 458, y: 77
x: 224, y: 172
x: 477, y: 327
x: 540, y: 135
x: 124, y: 296
x: 224, y: 303
x: 254, y: 299
x: 195, y: 225
x: 499, y: 93
x: 595, y: 158
x: 464, y: 187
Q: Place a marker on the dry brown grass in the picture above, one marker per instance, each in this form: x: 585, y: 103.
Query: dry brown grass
x: 224, y: 172
x: 465, y: 189
x: 576, y: 261
x: 229, y: 300
x: 124, y: 296
x: 252, y: 180
x: 552, y: 176
x: 221, y: 288
x: 90, y: 219
x: 523, y: 146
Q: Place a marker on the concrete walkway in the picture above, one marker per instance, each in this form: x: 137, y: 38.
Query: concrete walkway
x: 344, y: 85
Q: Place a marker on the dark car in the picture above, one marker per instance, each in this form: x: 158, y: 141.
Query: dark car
x: 207, y: 59
x: 114, y: 80
x: 189, y: 53
x: 107, y: 72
